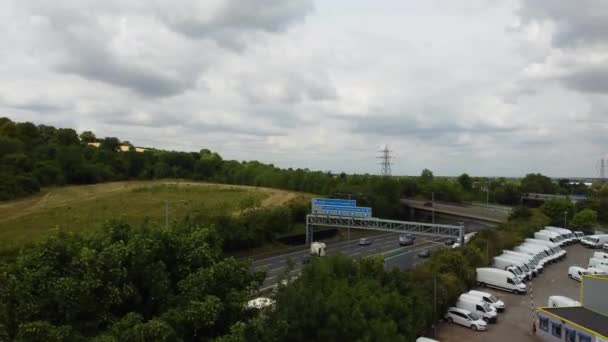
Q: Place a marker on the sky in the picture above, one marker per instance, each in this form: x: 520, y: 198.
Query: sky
x: 487, y: 87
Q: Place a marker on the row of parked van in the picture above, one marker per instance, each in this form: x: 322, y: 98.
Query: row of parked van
x: 475, y: 309
x: 595, y: 241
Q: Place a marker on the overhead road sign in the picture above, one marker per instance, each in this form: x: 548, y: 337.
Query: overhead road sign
x: 335, y: 210
x: 332, y: 201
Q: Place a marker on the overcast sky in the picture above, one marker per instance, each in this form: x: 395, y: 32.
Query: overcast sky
x: 488, y: 87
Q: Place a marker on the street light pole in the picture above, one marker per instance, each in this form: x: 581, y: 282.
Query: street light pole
x: 433, y: 206
x: 566, y: 219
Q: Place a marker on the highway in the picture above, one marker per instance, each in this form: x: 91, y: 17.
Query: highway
x: 386, y: 244
x: 490, y: 214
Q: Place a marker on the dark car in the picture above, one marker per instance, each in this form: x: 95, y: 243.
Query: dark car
x: 425, y: 253
x: 364, y: 242
x: 405, y: 240
x: 449, y: 242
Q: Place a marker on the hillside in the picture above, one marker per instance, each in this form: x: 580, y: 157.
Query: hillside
x: 80, y: 208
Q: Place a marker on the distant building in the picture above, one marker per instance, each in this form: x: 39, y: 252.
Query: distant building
x: 94, y: 144
x: 586, y: 323
x: 121, y: 148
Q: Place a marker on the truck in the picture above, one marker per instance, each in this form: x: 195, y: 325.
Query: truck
x: 318, y: 249
x: 595, y: 241
x: 508, y: 265
x: 500, y: 279
x: 566, y: 234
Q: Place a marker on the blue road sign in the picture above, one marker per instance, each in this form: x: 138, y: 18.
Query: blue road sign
x: 335, y: 210
x: 331, y: 201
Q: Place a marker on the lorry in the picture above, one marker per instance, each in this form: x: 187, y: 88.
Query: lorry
x: 508, y: 265
x: 500, y: 279
x: 595, y: 241
x: 318, y: 249
x: 475, y: 304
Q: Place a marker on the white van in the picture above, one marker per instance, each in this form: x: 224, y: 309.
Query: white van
x: 549, y: 236
x: 536, y: 258
x: 542, y: 254
x: 498, y: 304
x: 500, y: 279
x: 552, y: 246
x: 566, y: 234
x: 526, y: 259
x: 509, y: 265
x: 577, y: 273
x: 595, y: 241
x: 425, y: 339
x: 579, y: 235
x: 595, y: 262
x: 477, y: 305
x: 562, y: 301
x: 600, y: 255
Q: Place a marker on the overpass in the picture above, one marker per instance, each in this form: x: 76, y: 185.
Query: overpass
x: 490, y: 214
x: 547, y: 197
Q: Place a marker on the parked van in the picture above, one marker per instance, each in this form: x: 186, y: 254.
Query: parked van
x: 524, y: 265
x: 549, y: 236
x: 500, y: 279
x: 579, y: 235
x: 498, y: 304
x: 534, y: 259
x: 595, y: 262
x: 566, y: 234
x: 465, y: 318
x: 553, y: 253
x: 539, y: 252
x: 562, y: 301
x: 508, y: 265
x: 526, y: 259
x: 556, y: 249
x: 577, y: 273
x: 600, y: 255
x: 599, y: 269
x: 425, y: 339
x: 595, y: 241
x: 477, y: 305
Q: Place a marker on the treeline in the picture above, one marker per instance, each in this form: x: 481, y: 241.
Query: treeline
x: 124, y: 284
x: 343, y: 299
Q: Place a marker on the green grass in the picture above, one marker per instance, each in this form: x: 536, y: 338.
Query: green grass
x: 84, y: 208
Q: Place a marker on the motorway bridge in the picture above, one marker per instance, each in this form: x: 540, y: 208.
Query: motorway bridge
x: 490, y: 214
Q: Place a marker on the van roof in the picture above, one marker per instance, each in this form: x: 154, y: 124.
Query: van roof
x: 464, y: 311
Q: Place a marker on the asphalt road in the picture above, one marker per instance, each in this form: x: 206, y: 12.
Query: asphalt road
x: 386, y: 244
x: 490, y: 213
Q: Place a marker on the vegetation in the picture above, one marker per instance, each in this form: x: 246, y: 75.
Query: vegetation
x: 124, y: 284
x: 338, y: 298
x: 84, y: 208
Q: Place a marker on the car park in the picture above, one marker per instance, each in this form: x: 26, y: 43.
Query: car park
x: 465, y: 318
x: 489, y: 298
x: 364, y: 242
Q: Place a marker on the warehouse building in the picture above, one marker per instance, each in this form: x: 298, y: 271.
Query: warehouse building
x: 586, y: 323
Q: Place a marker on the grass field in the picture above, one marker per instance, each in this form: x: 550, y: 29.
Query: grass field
x: 82, y: 208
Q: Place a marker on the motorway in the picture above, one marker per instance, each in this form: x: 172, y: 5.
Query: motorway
x: 385, y: 244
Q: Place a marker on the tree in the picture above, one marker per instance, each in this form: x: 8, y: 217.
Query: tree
x: 67, y: 136
x: 88, y: 137
x: 426, y: 176
x: 556, y: 209
x: 465, y: 181
x: 585, y: 220
x: 537, y: 183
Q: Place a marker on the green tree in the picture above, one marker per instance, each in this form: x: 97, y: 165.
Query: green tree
x: 465, y: 181
x: 556, y: 210
x: 537, y: 183
x: 585, y: 220
x: 88, y: 137
x: 426, y: 176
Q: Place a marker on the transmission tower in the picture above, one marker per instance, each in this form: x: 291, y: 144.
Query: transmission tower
x: 385, y: 161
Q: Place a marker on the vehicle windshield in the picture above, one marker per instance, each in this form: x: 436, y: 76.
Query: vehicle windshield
x: 493, y: 299
x: 516, y: 281
x: 474, y: 317
x: 486, y: 307
x: 516, y: 270
x: 525, y: 268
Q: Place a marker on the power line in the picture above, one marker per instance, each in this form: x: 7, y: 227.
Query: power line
x: 385, y: 161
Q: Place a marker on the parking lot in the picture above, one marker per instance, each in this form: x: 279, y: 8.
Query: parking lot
x: 515, y: 324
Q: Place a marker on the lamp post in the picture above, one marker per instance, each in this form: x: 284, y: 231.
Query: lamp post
x: 433, y: 206
x: 566, y: 219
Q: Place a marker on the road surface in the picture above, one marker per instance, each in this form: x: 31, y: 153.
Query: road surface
x: 386, y: 244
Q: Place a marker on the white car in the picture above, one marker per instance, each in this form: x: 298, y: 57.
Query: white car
x: 577, y: 273
x: 465, y: 318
